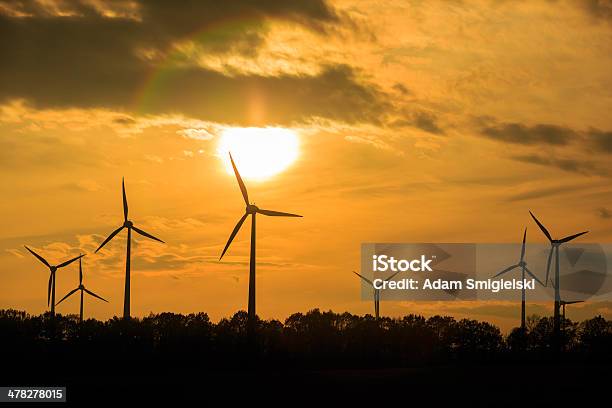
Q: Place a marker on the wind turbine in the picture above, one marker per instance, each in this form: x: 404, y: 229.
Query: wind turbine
x: 130, y: 226
x: 376, y: 292
x: 563, y: 303
x: 523, y: 265
x: 52, y: 270
x: 82, y: 288
x: 252, y: 210
x: 554, y: 248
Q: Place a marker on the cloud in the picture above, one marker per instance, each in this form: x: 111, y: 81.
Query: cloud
x: 599, y: 9
x: 600, y: 140
x: 604, y: 213
x: 172, y: 20
x: 546, y: 192
x: 426, y: 121
x: 402, y: 89
x: 569, y: 165
x: 197, y: 134
x: 541, y: 134
x: 76, y: 55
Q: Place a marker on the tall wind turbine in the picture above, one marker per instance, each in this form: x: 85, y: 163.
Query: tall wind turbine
x: 82, y: 288
x: 52, y: 270
x: 376, y: 292
x: 129, y: 225
x: 251, y: 210
x: 554, y: 249
x: 523, y: 265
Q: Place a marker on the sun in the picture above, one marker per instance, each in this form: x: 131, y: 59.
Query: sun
x: 259, y: 153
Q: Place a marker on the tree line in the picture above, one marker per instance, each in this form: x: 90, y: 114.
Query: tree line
x: 313, y: 339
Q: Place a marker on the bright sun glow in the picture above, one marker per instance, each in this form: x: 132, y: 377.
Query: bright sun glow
x: 259, y: 153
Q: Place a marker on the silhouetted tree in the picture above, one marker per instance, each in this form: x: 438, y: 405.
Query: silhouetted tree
x: 314, y: 339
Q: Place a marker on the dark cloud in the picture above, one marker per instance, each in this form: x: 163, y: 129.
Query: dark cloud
x: 599, y: 9
x: 604, y: 213
x: 89, y: 60
x: 402, y: 89
x: 570, y: 165
x: 541, y: 134
x: 426, y: 121
x: 335, y: 93
x: 176, y: 20
x: 601, y: 141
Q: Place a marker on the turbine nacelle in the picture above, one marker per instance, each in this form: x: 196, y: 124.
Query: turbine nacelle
x: 53, y: 268
x: 251, y: 209
x: 128, y: 224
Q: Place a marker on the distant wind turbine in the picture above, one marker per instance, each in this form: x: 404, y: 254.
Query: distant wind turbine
x: 523, y: 265
x: 52, y: 270
x: 251, y: 210
x: 376, y: 292
x: 563, y: 303
x: 82, y: 288
x: 554, y: 248
x: 130, y: 226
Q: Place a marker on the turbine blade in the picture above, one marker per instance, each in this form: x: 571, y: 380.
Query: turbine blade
x: 574, y: 301
x: 146, y: 234
x: 508, y: 269
x: 552, y: 284
x: 276, y: 213
x: 111, y: 236
x: 243, y: 189
x: 533, y: 276
x: 392, y: 276
x: 567, y: 239
x: 80, y: 272
x: 234, y: 232
x: 94, y: 295
x: 125, y: 204
x: 364, y: 278
x: 524, y: 242
x: 49, y: 289
x: 68, y: 262
x: 67, y: 296
x: 544, y: 230
x: 550, y: 254
x: 40, y: 258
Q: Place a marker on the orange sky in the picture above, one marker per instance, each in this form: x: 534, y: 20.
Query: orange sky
x: 417, y: 122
